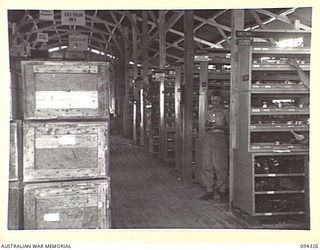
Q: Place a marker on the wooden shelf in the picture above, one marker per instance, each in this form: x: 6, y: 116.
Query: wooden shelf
x: 280, y: 175
x: 279, y: 111
x: 280, y: 192
x: 277, y: 67
x: 278, y: 127
x: 281, y: 51
x: 279, y: 213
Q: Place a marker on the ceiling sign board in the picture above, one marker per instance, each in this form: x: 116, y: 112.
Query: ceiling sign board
x: 73, y: 17
x: 243, y: 33
x: 78, y: 42
x: 244, y: 42
x: 42, y: 37
x: 201, y: 58
x: 47, y: 15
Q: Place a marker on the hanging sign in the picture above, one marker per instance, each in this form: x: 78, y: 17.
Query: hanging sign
x: 159, y: 76
x: 78, y: 42
x: 73, y: 17
x: 42, y: 37
x: 244, y: 41
x: 47, y: 15
x: 243, y: 33
x: 201, y: 58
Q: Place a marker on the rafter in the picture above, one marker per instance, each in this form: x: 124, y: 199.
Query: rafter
x: 212, y: 23
x: 259, y: 21
x: 154, y: 19
x: 282, y: 17
x: 172, y: 20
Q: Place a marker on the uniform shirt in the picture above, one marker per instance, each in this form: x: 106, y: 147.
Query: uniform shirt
x: 217, y: 116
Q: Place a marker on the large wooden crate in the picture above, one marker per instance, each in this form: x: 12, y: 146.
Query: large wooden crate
x: 65, y: 150
x: 15, y: 205
x: 67, y: 205
x: 63, y: 90
x: 15, y: 160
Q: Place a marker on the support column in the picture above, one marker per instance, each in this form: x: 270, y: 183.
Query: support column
x: 119, y: 97
x: 135, y: 75
x: 125, y: 109
x: 162, y: 65
x: 203, y: 106
x: 237, y: 23
x: 178, y: 123
x: 188, y: 96
x: 145, y: 66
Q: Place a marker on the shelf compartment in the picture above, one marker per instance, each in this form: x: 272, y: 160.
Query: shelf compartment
x: 279, y: 203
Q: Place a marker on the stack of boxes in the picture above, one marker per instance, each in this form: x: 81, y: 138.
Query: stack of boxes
x: 66, y: 184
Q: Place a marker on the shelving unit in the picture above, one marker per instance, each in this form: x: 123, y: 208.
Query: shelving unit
x: 272, y: 170
x: 167, y: 116
x: 155, y: 113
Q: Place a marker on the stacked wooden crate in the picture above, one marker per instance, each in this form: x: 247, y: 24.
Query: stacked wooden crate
x: 15, y: 199
x: 66, y: 146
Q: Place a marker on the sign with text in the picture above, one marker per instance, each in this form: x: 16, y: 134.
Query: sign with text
x: 47, y: 15
x: 201, y: 58
x: 73, y: 17
x: 242, y: 33
x: 78, y: 42
x: 244, y: 42
x: 42, y: 37
x: 160, y: 76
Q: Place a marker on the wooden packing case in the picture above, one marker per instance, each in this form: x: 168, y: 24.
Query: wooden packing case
x: 67, y: 205
x: 65, y: 90
x: 57, y: 151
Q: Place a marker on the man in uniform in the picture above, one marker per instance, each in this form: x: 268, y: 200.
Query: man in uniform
x: 214, y: 151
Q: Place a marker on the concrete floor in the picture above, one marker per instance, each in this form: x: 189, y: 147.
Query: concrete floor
x: 147, y: 193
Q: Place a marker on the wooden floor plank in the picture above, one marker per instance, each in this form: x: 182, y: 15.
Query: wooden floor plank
x: 147, y: 193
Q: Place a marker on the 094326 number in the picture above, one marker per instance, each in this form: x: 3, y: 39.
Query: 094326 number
x: 309, y: 246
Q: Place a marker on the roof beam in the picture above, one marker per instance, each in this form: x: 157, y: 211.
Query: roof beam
x: 172, y: 20
x: 283, y: 17
x: 154, y: 19
x: 212, y: 22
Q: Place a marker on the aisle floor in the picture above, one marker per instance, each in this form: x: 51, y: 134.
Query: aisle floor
x: 147, y: 193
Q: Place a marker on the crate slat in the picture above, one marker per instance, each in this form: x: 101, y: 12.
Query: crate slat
x: 15, y: 206
x: 15, y: 160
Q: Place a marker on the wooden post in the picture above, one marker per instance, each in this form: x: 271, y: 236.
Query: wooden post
x: 135, y: 75
x: 237, y: 23
x: 119, y: 97
x: 178, y: 124
x: 203, y: 105
x: 162, y: 65
x: 144, y: 76
x: 188, y: 96
x: 125, y: 107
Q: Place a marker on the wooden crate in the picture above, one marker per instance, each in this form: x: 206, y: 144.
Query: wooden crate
x: 15, y: 160
x: 15, y: 206
x: 60, y: 90
x: 65, y: 150
x: 67, y: 205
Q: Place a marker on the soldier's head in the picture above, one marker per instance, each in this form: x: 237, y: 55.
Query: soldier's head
x: 216, y: 99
